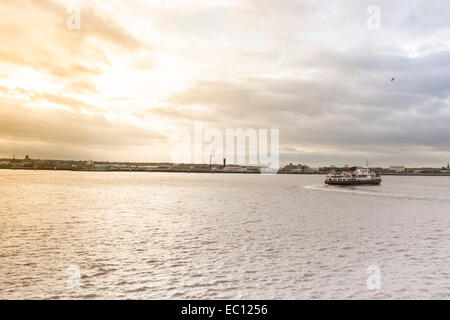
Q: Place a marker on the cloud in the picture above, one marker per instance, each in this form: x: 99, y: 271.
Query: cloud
x: 362, y: 113
x: 72, y: 127
x: 311, y: 69
x: 35, y: 36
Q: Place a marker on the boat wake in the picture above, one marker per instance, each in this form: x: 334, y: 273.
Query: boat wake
x: 376, y: 193
x: 345, y: 189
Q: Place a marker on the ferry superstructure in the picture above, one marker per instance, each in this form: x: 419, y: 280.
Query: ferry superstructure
x: 354, y: 177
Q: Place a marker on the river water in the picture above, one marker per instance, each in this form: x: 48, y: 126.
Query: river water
x: 83, y: 235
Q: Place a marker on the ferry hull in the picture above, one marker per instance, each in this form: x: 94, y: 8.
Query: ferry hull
x: 353, y: 183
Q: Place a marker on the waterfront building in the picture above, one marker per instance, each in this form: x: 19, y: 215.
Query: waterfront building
x: 398, y: 169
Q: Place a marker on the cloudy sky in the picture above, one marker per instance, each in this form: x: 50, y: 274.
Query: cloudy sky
x: 138, y: 70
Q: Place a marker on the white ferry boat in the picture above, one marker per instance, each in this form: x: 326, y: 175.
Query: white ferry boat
x: 354, y: 177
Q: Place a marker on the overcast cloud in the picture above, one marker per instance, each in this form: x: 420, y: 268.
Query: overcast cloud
x: 137, y: 70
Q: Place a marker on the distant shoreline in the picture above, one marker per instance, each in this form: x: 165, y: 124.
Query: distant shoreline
x: 134, y: 171
x: 224, y: 172
x: 418, y: 174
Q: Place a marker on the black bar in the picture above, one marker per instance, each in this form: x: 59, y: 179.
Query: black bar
x: 216, y: 310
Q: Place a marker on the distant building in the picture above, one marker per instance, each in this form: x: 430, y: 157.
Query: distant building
x: 292, y: 168
x: 4, y: 164
x: 253, y: 169
x: 101, y: 167
x: 398, y: 169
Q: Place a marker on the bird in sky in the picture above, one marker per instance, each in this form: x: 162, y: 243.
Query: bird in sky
x: 392, y: 80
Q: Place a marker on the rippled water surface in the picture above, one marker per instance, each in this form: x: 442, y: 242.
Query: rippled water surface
x: 183, y: 236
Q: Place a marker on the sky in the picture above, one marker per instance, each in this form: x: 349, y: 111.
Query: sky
x: 137, y: 71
